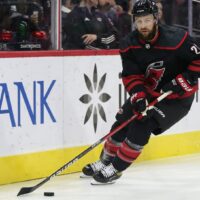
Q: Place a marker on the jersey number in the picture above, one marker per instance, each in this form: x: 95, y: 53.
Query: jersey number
x: 195, y: 49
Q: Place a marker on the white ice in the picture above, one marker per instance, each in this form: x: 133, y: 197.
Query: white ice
x: 175, y: 178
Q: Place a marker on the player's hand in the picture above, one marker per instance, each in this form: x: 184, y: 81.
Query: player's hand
x: 89, y: 38
x: 180, y: 85
x: 139, y: 102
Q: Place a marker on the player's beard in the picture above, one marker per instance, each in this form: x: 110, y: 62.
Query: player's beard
x: 150, y: 36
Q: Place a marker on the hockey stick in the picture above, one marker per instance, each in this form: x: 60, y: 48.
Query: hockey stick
x: 26, y: 190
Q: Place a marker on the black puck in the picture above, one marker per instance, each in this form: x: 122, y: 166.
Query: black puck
x: 49, y: 194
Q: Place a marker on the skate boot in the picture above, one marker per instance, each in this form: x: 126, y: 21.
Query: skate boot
x: 107, y: 175
x: 90, y: 169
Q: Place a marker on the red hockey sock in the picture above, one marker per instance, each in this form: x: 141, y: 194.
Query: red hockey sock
x: 126, y: 155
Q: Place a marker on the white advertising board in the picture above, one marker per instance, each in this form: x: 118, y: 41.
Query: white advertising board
x: 56, y: 102
x: 30, y: 114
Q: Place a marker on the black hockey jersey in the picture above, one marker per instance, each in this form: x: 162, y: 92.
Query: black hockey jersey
x: 152, y: 65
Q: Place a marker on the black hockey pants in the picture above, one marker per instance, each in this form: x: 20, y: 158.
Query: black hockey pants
x: 165, y: 114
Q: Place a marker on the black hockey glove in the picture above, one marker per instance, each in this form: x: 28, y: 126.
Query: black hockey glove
x: 183, y: 83
x: 139, y: 102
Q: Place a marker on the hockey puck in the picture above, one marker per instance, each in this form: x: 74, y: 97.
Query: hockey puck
x: 49, y: 194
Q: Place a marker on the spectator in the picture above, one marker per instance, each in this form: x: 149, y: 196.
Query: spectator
x: 36, y: 13
x: 24, y: 31
x: 67, y: 6
x: 109, y: 9
x: 124, y: 18
x: 20, y: 25
x: 160, y: 11
x: 23, y: 26
x: 87, y: 28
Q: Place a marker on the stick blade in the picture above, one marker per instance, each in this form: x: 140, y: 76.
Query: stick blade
x: 25, y: 190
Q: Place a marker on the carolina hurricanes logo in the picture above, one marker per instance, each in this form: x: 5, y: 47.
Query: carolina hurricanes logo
x: 154, y: 74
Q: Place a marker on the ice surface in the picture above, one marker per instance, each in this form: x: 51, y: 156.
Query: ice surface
x: 175, y: 178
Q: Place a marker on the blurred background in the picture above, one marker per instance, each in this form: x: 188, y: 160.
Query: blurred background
x: 50, y: 24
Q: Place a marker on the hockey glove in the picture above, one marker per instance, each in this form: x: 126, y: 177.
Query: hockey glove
x: 183, y: 83
x: 139, y: 102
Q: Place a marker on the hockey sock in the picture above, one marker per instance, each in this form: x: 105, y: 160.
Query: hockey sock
x: 126, y: 154
x: 110, y: 150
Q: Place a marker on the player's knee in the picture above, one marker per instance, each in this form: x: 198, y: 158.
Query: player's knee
x: 140, y: 131
x: 140, y: 139
x: 121, y: 134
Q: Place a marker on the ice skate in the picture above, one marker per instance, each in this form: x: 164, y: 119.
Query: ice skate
x: 90, y: 169
x: 107, y: 175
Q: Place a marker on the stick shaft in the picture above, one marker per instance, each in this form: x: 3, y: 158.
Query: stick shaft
x: 71, y: 162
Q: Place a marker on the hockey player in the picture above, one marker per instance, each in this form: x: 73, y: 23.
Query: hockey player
x: 156, y: 59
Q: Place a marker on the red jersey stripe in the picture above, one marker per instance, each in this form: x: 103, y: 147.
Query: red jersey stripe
x: 194, y: 68
x: 132, y: 85
x: 128, y: 79
x: 173, y: 48
x: 197, y: 62
x: 131, y: 47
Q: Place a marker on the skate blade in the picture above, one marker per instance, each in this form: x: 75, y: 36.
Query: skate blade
x: 93, y: 182
x: 84, y: 176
